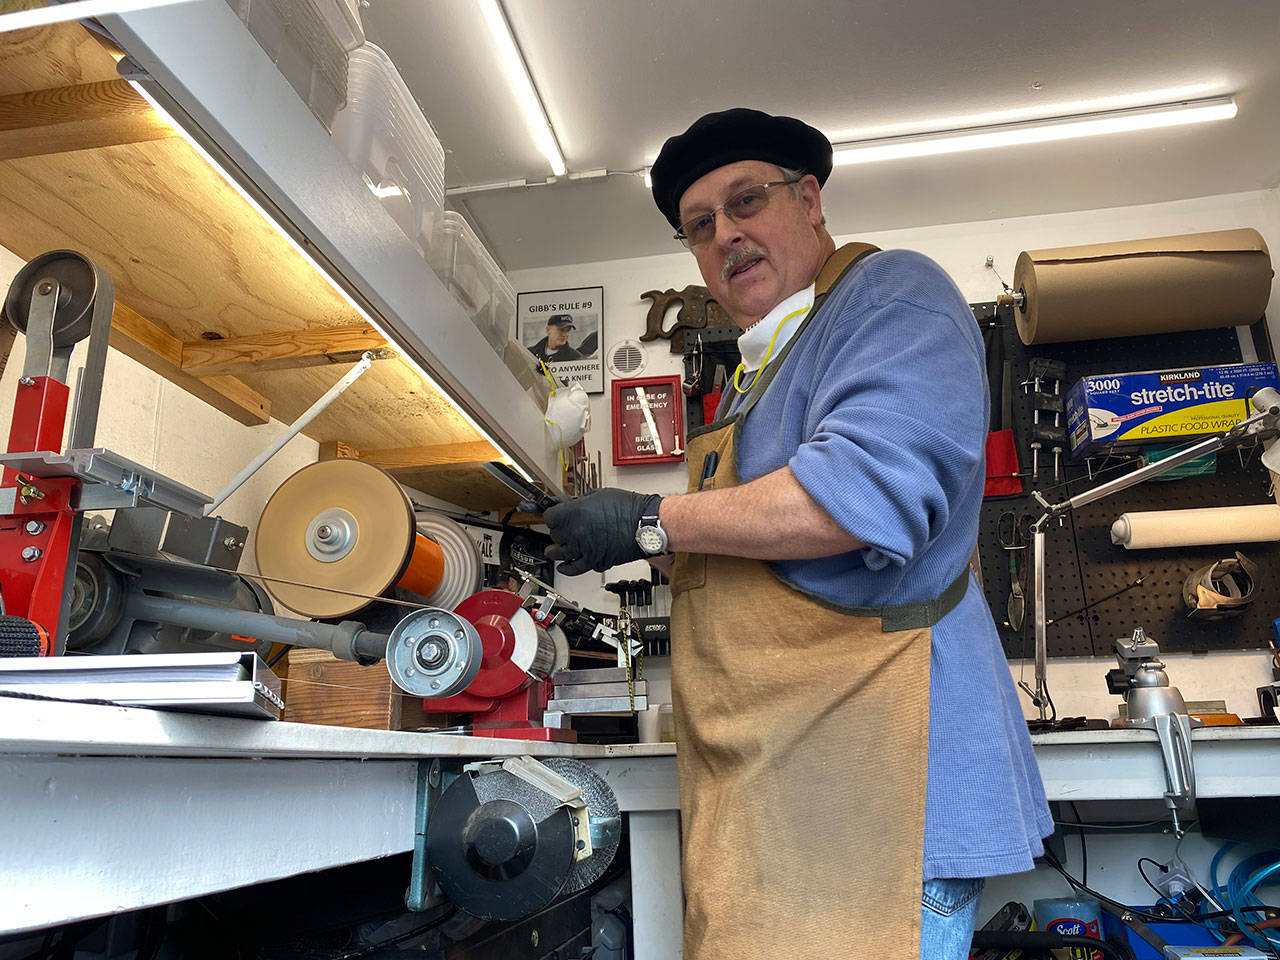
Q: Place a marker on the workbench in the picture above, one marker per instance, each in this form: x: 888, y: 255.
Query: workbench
x: 114, y: 808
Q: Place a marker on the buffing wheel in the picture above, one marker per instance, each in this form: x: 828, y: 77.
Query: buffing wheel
x: 463, y: 567
x: 344, y: 524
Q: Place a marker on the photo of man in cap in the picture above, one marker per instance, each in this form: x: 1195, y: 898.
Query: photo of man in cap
x: 554, y: 347
x: 853, y: 759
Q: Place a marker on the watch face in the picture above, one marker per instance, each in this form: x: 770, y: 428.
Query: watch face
x: 651, y: 540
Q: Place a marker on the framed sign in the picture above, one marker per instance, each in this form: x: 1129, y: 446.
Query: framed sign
x: 565, y: 328
x: 648, y: 422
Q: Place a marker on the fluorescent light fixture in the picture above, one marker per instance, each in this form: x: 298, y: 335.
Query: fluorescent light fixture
x: 77, y: 10
x: 522, y: 85
x: 1036, y: 131
x: 648, y: 178
x: 315, y: 265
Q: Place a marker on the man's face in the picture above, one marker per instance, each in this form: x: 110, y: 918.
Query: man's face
x: 752, y: 266
x: 557, y: 336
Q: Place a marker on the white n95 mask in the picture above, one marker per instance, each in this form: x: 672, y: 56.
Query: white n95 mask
x: 568, y: 415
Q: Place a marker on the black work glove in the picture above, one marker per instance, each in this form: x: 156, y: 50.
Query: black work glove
x: 597, y: 531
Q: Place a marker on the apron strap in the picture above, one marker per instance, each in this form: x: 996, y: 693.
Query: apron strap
x: 838, y: 264
x: 913, y: 616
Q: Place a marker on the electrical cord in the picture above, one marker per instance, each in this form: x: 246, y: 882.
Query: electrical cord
x: 1084, y: 848
x: 1159, y: 866
x: 1115, y: 826
x: 283, y: 650
x: 1146, y: 916
x: 418, y: 931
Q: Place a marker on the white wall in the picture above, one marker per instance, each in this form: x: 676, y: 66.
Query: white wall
x: 962, y: 249
x: 149, y: 420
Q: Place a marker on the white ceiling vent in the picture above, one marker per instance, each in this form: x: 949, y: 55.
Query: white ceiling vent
x: 627, y: 359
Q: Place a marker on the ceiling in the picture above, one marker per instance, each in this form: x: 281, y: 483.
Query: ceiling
x: 620, y: 76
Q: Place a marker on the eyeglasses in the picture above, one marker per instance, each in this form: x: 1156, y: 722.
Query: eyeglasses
x: 743, y: 205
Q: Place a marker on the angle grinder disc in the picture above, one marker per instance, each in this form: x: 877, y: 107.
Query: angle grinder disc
x: 344, y: 524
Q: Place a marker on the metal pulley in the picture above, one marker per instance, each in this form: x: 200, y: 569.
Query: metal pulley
x: 73, y: 282
x: 434, y: 653
x: 507, y: 839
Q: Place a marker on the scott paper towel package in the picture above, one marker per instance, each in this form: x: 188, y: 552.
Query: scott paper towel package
x: 1114, y: 409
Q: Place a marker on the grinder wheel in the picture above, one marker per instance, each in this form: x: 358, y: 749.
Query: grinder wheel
x: 500, y: 848
x: 77, y: 289
x: 344, y: 524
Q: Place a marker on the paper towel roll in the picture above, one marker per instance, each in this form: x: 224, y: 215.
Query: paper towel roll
x: 1191, y: 528
x: 1196, y: 281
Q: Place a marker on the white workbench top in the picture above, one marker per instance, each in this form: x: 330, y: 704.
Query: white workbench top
x: 43, y: 727
x: 115, y: 808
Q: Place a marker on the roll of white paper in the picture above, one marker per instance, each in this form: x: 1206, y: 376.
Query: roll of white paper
x: 1189, y: 528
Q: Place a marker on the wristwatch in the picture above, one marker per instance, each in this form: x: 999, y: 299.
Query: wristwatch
x: 650, y: 537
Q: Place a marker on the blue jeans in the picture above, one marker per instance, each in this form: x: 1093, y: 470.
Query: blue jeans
x: 949, y: 910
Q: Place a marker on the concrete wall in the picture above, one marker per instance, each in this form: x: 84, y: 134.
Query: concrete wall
x: 962, y: 249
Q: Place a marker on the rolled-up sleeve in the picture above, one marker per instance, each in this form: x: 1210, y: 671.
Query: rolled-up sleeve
x: 898, y: 422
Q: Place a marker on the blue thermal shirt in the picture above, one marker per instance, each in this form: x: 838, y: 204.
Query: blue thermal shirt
x: 880, y: 408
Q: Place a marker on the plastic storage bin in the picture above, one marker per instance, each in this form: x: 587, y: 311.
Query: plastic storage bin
x: 528, y: 373
x: 386, y: 137
x: 308, y: 40
x: 472, y: 276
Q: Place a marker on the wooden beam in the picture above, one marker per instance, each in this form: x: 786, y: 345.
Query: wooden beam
x: 337, y: 450
x: 157, y: 350
x: 105, y: 113
x: 314, y: 346
x: 439, y: 456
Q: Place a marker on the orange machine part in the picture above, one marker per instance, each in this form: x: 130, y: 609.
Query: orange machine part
x: 425, y: 569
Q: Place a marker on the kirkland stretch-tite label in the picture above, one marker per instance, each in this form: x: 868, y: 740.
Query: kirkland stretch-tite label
x: 1157, y: 405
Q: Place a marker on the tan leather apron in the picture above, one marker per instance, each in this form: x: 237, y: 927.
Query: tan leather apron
x: 802, y: 746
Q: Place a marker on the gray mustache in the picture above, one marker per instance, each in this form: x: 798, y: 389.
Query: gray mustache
x: 737, y: 259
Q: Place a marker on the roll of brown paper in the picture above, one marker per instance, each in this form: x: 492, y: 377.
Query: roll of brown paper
x: 1148, y: 529
x: 1197, y: 281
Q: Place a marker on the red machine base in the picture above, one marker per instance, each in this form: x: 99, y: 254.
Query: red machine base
x: 542, y: 734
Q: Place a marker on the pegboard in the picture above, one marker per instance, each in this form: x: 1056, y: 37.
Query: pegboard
x: 704, y: 350
x: 1082, y: 565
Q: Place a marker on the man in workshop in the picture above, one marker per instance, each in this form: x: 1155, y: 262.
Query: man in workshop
x: 554, y: 347
x: 853, y: 758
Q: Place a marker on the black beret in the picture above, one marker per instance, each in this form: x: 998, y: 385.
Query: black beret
x: 561, y: 320
x: 726, y: 137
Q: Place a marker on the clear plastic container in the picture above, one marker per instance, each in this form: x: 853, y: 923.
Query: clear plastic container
x: 502, y: 311
x: 308, y: 40
x: 528, y: 373
x: 384, y: 135
x: 473, y: 277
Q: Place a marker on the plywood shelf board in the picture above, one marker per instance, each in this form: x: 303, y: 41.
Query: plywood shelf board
x: 189, y: 256
x: 466, y: 485
x: 386, y: 407
x: 55, y: 56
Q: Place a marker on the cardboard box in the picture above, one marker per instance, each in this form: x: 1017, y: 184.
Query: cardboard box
x: 1240, y: 952
x: 1158, y: 406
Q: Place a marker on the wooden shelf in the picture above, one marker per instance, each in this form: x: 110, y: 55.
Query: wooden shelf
x: 208, y: 293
